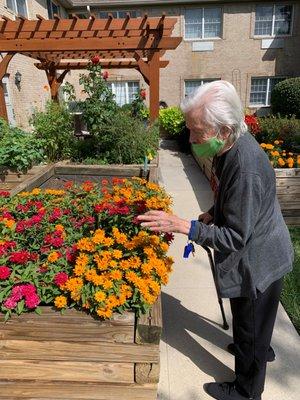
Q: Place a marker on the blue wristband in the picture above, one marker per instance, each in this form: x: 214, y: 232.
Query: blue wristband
x: 192, y: 230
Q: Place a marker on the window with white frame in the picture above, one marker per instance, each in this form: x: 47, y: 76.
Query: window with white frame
x: 19, y: 7
x: 191, y: 85
x: 118, y: 14
x: 261, y: 89
x: 201, y: 23
x: 273, y: 20
x: 124, y: 91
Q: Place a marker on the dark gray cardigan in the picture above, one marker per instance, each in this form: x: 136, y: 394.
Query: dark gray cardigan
x: 250, y: 238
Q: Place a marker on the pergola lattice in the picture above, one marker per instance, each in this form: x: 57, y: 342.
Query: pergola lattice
x: 68, y: 44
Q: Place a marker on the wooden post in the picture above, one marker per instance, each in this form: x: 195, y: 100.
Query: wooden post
x: 55, y: 81
x: 154, y: 86
x: 3, y: 68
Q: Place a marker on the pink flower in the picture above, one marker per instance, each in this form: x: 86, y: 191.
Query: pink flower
x: 4, y: 272
x: 32, y: 300
x: 60, y: 278
x: 10, y: 303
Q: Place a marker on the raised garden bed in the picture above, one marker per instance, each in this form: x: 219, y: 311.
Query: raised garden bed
x: 74, y: 356
x: 287, y: 185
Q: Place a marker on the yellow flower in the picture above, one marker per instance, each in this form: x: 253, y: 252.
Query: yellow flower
x: 281, y: 162
x: 117, y: 254
x: 263, y: 145
x: 36, y: 192
x: 9, y: 223
x: 116, y: 275
x: 269, y: 146
x: 55, y: 192
x: 100, y: 296
x: 276, y: 142
x: 86, y: 244
x: 275, y: 153
x: 60, y: 302
x: 54, y: 256
x: 104, y: 312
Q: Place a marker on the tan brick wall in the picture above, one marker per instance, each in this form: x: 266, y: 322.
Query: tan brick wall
x: 236, y: 57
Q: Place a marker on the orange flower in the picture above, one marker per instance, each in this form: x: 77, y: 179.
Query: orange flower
x: 54, y: 256
x: 60, y: 302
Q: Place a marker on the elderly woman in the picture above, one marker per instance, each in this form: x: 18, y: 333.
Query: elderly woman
x: 245, y: 227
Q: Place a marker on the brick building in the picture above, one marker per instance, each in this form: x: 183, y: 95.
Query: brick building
x: 251, y: 44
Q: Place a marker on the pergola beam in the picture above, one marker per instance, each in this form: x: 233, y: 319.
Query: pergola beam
x: 104, y: 64
x: 92, y: 44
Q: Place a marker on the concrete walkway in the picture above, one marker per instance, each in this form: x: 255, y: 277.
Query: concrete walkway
x: 193, y: 342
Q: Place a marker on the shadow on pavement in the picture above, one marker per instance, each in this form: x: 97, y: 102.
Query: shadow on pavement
x: 177, y: 321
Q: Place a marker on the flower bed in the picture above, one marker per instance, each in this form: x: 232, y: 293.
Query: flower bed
x: 98, y: 348
x: 82, y: 247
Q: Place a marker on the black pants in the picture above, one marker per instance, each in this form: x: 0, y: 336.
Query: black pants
x: 253, y: 323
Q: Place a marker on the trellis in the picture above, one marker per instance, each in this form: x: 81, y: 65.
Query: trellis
x: 69, y: 44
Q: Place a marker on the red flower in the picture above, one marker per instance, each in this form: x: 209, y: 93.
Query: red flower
x: 105, y: 75
x: 104, y: 182
x: 88, y: 186
x: 4, y: 193
x: 252, y: 124
x: 20, y: 257
x: 60, y: 278
x: 143, y: 94
x: 7, y: 246
x: 95, y: 60
x: 56, y: 214
x: 68, y: 184
x: 169, y: 237
x: 4, y: 272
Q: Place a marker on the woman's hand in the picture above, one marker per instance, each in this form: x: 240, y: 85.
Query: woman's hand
x: 164, y: 222
x: 206, y: 218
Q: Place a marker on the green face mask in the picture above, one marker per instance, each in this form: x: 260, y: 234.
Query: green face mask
x: 210, y: 148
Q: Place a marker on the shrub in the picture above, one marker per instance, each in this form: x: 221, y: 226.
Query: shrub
x: 19, y: 150
x: 99, y: 106
x: 126, y: 140
x: 280, y: 128
x: 172, y: 120
x: 285, y: 97
x: 54, y: 127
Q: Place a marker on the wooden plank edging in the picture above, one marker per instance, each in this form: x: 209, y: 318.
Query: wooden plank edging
x: 34, y: 181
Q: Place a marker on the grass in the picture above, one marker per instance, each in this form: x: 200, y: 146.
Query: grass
x: 290, y: 296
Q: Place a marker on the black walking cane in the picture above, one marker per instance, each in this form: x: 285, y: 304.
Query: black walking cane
x: 212, y: 266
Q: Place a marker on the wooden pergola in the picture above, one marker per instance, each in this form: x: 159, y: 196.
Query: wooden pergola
x: 68, y: 44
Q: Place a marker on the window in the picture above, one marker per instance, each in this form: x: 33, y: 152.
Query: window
x: 17, y: 6
x: 53, y: 8
x: 273, y: 20
x: 261, y: 89
x: 201, y: 23
x: 192, y: 85
x: 124, y: 91
x: 117, y: 14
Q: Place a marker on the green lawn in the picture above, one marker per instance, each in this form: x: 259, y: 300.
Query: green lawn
x: 290, y: 297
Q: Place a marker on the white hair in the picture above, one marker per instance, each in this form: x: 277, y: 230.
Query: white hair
x: 219, y: 106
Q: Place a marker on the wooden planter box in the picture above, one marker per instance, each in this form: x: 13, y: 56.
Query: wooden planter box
x: 287, y: 187
x: 73, y: 356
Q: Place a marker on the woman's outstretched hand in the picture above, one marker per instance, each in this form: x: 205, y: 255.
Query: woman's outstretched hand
x: 164, y: 222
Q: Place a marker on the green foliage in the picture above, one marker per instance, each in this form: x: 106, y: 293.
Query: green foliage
x: 285, y: 98
x: 172, y: 120
x: 126, y: 140
x: 291, y: 289
x: 138, y: 107
x: 277, y: 127
x: 99, y: 106
x: 54, y: 127
x: 19, y: 150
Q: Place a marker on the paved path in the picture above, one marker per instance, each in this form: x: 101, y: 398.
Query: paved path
x: 193, y: 343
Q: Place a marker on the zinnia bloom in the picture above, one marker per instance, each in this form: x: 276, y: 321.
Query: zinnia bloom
x: 60, y: 302
x: 4, y: 272
x: 60, y: 278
